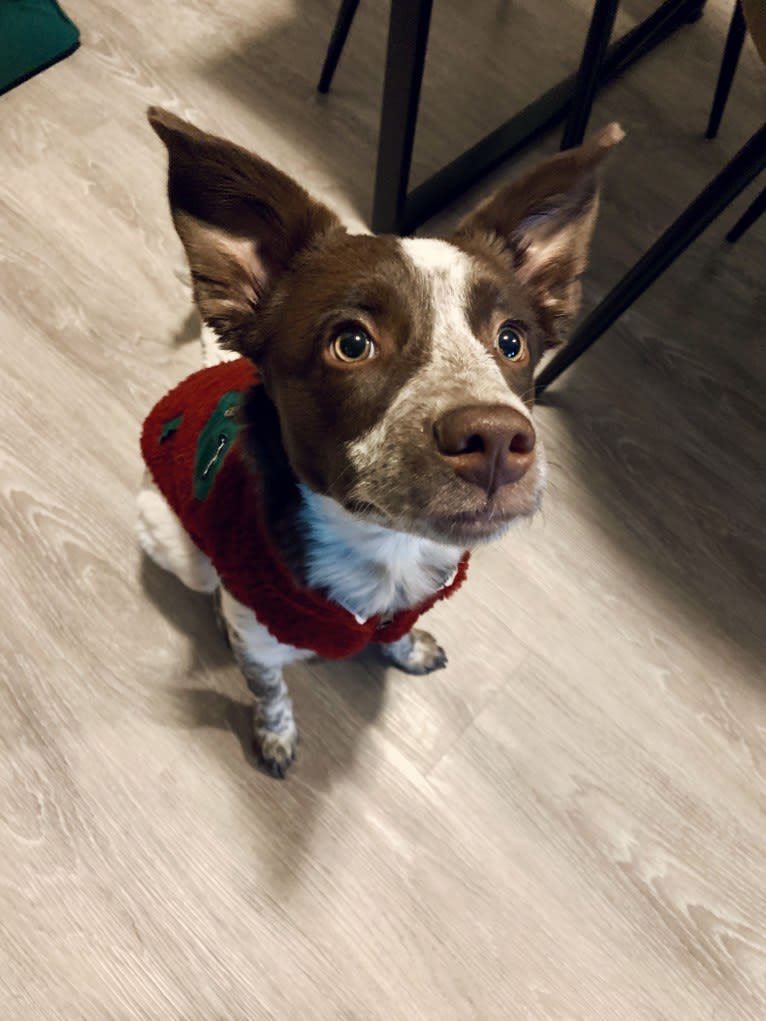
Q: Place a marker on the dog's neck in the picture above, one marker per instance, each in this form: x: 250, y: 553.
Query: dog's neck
x: 367, y: 568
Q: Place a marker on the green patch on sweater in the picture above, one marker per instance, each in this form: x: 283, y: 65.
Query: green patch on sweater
x: 170, y: 427
x: 215, y: 439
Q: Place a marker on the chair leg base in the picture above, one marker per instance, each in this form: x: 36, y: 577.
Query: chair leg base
x: 756, y: 209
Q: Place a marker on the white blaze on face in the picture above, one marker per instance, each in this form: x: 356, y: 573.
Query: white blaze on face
x: 460, y: 370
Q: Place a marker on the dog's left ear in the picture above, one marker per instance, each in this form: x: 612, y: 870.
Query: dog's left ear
x: 241, y: 220
x: 545, y: 221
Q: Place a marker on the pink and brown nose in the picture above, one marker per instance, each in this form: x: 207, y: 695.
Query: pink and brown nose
x: 490, y: 445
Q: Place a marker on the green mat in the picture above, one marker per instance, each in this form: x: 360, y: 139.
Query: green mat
x: 33, y: 35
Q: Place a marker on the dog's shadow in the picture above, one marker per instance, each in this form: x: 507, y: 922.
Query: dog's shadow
x: 358, y: 686
x: 334, y: 703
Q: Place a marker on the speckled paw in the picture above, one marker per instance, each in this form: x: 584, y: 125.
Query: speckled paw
x: 277, y: 751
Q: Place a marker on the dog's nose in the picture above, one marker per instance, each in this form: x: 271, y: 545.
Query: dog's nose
x: 490, y: 445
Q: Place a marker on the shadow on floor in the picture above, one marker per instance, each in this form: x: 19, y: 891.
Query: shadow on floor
x: 334, y: 704
x: 666, y: 432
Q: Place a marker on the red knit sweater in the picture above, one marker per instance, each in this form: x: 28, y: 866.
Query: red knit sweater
x: 191, y: 444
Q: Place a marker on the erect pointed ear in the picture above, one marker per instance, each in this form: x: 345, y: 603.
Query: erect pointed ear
x: 545, y: 220
x: 241, y: 221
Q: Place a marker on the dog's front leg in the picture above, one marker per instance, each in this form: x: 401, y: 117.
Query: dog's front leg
x: 415, y: 653
x: 274, y: 730
x: 261, y: 658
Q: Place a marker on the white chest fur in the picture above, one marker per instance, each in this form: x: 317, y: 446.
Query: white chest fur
x: 369, y: 569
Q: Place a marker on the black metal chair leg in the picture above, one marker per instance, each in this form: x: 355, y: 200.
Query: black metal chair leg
x: 722, y: 190
x: 596, y: 43
x: 337, y: 42
x: 732, y: 50
x: 405, y: 59
x: 748, y: 218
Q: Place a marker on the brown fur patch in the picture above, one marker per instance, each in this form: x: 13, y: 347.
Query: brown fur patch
x: 324, y: 404
x: 494, y: 297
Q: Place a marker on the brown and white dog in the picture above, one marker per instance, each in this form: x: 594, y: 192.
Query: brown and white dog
x: 399, y: 376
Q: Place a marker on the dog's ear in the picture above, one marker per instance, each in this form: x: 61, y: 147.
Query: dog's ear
x: 545, y: 221
x: 241, y: 221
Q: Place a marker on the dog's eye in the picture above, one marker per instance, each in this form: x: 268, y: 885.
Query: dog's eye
x: 512, y: 342
x: 353, y: 345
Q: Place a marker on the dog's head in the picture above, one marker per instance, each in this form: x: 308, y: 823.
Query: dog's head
x: 401, y: 369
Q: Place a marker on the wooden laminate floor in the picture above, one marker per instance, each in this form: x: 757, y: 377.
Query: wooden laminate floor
x: 569, y: 823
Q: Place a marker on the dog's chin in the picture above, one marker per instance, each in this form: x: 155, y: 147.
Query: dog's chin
x: 464, y: 528
x: 468, y: 530
x: 474, y: 528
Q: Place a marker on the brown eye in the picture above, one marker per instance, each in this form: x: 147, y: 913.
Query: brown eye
x: 512, y: 342
x: 353, y: 345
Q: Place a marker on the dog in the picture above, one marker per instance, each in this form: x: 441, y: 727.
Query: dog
x: 328, y: 485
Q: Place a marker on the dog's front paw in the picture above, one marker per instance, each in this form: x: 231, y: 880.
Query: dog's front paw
x: 277, y: 750
x: 416, y: 653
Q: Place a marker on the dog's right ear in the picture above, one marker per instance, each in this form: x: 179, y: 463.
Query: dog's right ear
x: 241, y: 221
x: 544, y: 220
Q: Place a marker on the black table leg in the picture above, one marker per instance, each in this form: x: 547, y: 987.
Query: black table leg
x: 748, y: 218
x: 722, y: 190
x: 337, y: 42
x: 406, y: 56
x: 596, y: 42
x: 399, y: 212
x: 732, y: 50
